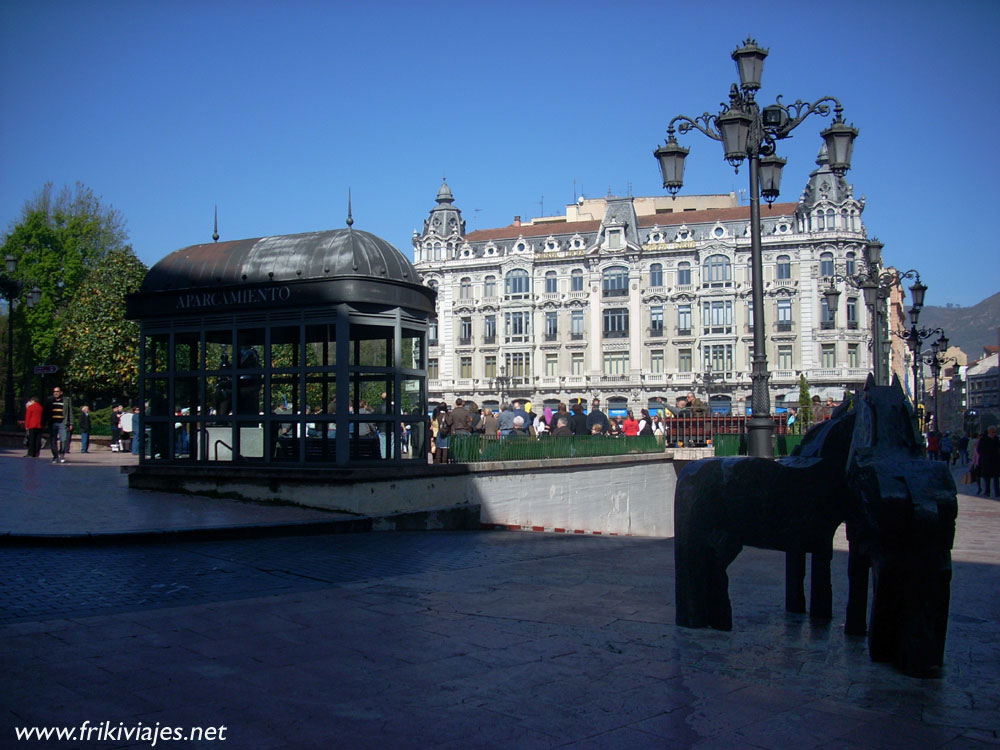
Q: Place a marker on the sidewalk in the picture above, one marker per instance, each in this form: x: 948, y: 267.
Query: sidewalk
x: 463, y: 639
x: 88, y: 496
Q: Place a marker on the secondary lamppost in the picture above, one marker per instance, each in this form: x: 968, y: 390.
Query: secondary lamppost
x: 11, y: 290
x: 915, y: 338
x: 937, y: 358
x: 875, y: 283
x: 502, y: 382
x: 749, y: 132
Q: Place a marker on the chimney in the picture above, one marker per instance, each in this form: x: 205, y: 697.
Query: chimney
x: 517, y: 221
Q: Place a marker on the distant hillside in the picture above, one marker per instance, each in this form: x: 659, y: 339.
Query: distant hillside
x: 970, y: 328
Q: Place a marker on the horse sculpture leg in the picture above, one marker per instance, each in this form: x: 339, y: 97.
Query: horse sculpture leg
x: 795, y: 577
x: 820, y: 589
x: 858, y: 565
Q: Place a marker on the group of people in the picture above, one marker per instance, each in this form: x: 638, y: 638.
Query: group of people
x: 54, y: 419
x: 517, y: 419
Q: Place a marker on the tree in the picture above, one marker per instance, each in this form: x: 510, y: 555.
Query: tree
x: 98, y: 344
x: 805, y: 419
x: 56, y: 241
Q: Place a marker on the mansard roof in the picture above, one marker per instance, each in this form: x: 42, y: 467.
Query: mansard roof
x: 707, y: 216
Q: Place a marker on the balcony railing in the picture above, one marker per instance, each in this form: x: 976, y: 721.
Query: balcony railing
x: 655, y: 332
x: 827, y: 325
x: 615, y: 293
x: 465, y: 341
x: 489, y: 339
x: 783, y: 326
x: 551, y: 335
x: 616, y: 334
x: 683, y: 331
x: 576, y: 336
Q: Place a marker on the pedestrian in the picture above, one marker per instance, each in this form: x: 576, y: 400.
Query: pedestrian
x: 59, y: 415
x: 578, y: 420
x: 115, y: 417
x: 440, y: 429
x: 946, y: 448
x: 989, y: 460
x: 645, y: 424
x: 135, y: 431
x: 505, y: 422
x: 33, y: 423
x: 933, y: 446
x: 84, y: 428
x: 562, y: 428
x: 597, y: 416
x: 792, y: 415
x: 490, y: 425
x: 630, y: 428
x: 963, y: 449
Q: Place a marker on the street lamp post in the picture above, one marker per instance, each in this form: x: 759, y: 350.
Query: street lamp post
x: 875, y: 283
x: 502, y: 382
x: 11, y: 290
x: 749, y: 132
x: 937, y: 359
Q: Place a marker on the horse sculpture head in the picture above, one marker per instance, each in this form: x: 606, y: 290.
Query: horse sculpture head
x: 884, y: 427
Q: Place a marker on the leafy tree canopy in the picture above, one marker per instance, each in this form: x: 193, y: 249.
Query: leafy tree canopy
x: 57, y: 240
x: 98, y: 344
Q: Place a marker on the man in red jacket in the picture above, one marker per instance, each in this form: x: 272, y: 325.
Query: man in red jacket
x: 33, y: 424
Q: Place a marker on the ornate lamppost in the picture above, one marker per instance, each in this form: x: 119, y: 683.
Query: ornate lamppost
x: 11, y: 290
x: 749, y: 132
x: 937, y: 358
x: 875, y: 283
x: 915, y: 338
x: 502, y: 383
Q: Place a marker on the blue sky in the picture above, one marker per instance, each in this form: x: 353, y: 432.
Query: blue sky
x: 274, y: 110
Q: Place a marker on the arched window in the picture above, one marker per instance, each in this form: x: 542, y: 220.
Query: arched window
x: 656, y: 275
x: 831, y: 223
x: 576, y: 279
x: 517, y: 282
x: 826, y: 264
x: 718, y: 269
x: 784, y: 267
x: 684, y: 273
x: 614, y: 282
x: 820, y: 222
x: 551, y: 283
x: 465, y: 288
x: 490, y: 286
x: 851, y: 264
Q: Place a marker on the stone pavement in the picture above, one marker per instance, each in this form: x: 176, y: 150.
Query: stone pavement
x: 88, y: 495
x: 454, y: 639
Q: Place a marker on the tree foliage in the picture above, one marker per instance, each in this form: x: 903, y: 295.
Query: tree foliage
x: 98, y: 344
x: 56, y: 242
x: 805, y: 419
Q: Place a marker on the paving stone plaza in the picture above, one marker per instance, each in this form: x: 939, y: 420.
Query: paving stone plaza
x: 127, y: 607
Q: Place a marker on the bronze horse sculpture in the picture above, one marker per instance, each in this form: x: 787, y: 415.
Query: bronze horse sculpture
x: 864, y: 466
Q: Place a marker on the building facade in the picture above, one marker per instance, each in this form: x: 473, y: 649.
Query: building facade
x: 637, y: 300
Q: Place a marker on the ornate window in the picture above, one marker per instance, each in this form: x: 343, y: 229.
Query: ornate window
x: 784, y: 267
x: 490, y: 366
x: 684, y: 273
x: 576, y: 325
x: 490, y: 286
x: 615, y: 282
x: 784, y: 315
x: 576, y: 280
x: 718, y: 270
x: 656, y: 274
x: 517, y: 282
x: 656, y: 320
x: 490, y: 329
x: 517, y: 326
x: 551, y: 326
x: 551, y: 282
x: 852, y: 265
x: 826, y: 264
x: 616, y: 323
x: 465, y: 288
x: 683, y: 320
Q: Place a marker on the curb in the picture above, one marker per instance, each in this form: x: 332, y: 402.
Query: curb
x: 459, y: 518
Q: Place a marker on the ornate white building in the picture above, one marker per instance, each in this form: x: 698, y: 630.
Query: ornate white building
x: 631, y: 300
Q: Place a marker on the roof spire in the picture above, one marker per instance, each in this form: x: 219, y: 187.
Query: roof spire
x: 215, y: 233
x: 350, y: 218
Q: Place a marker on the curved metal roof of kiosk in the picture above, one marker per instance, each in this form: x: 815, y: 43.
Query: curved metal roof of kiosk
x: 288, y: 257
x: 334, y: 265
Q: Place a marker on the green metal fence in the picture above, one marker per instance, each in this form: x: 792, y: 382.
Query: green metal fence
x: 475, y: 448
x: 736, y: 445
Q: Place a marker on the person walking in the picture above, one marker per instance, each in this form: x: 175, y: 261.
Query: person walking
x: 59, y: 415
x: 596, y: 416
x: 989, y: 460
x: 84, y: 428
x: 135, y: 431
x: 33, y: 423
x: 630, y: 428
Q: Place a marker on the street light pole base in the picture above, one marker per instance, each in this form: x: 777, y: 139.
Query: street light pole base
x: 760, y: 437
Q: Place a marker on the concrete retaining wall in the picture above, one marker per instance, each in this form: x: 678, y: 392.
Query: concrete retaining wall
x: 630, y: 495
